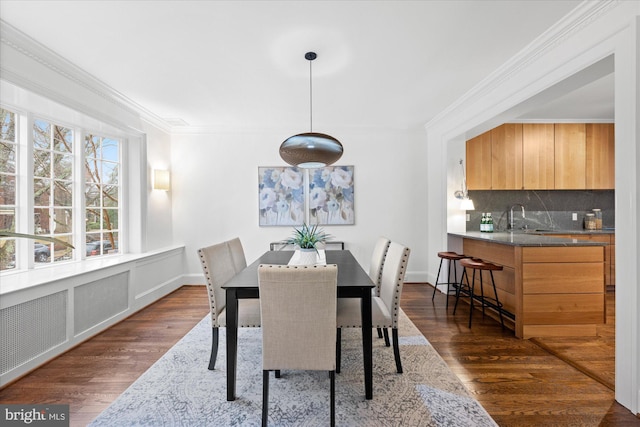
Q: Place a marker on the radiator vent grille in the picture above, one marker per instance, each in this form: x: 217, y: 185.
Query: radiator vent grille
x: 29, y: 329
x: 98, y: 301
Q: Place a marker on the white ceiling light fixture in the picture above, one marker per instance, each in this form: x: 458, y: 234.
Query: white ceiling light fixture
x: 311, y: 149
x: 466, y: 203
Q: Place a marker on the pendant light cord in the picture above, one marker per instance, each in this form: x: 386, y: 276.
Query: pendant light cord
x: 310, y: 97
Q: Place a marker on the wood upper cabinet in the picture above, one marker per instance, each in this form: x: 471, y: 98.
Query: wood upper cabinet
x: 506, y: 157
x: 600, y: 159
x: 542, y: 156
x: 538, y: 156
x: 570, y: 156
x: 478, y: 153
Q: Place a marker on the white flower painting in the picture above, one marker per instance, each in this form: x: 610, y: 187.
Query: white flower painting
x: 331, y: 196
x: 281, y: 196
x: 289, y: 196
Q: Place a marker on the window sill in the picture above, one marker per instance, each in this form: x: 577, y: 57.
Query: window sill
x: 20, y: 280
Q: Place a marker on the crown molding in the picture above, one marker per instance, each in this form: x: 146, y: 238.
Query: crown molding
x: 572, y: 23
x: 544, y: 121
x: 13, y: 38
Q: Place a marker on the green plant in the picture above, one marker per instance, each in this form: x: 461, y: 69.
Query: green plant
x: 308, y: 237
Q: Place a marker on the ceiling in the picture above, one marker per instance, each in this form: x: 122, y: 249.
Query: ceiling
x: 240, y: 64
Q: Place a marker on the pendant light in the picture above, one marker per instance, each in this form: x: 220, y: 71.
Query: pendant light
x: 466, y: 204
x: 311, y: 149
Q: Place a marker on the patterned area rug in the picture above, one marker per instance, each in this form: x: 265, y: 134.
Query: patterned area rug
x: 179, y: 390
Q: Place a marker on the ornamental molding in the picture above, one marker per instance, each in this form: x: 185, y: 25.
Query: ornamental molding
x: 582, y: 16
x: 13, y: 38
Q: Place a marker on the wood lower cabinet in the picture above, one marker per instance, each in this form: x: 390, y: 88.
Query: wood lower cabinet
x: 609, y: 252
x: 612, y: 261
x: 551, y: 290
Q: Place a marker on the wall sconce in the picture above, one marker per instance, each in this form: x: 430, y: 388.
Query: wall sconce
x: 466, y: 203
x: 161, y: 180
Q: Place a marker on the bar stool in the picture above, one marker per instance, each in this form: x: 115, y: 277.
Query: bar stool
x: 480, y: 265
x: 452, y: 257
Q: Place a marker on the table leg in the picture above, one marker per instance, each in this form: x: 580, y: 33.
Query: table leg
x: 367, y: 342
x: 232, y: 342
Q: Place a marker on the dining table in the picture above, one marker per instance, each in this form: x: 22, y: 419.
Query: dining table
x: 353, y: 282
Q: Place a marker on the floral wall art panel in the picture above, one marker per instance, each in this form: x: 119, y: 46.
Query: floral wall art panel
x: 331, y: 196
x: 281, y: 192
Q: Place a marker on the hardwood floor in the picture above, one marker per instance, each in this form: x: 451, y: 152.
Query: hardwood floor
x: 90, y: 376
x: 519, y: 383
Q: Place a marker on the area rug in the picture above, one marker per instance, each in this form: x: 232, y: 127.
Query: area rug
x: 179, y: 390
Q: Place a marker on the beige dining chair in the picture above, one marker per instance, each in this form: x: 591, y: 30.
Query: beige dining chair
x: 377, y: 261
x: 385, y: 308
x: 298, y: 311
x: 218, y: 267
x: 237, y: 254
x: 375, y: 267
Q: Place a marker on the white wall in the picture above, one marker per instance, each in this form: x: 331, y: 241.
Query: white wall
x: 215, y: 191
x: 159, y: 217
x: 593, y: 32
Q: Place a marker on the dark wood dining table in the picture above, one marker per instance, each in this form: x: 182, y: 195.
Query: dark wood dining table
x: 353, y: 282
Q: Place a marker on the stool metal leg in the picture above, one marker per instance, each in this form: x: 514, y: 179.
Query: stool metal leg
x: 481, y: 292
x: 455, y: 277
x: 464, y: 273
x: 498, y: 303
x: 435, y: 287
x: 473, y: 286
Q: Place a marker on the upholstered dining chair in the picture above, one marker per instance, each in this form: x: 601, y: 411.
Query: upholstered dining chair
x: 237, y: 254
x: 385, y: 308
x: 375, y: 267
x: 377, y: 261
x: 218, y: 267
x: 298, y: 311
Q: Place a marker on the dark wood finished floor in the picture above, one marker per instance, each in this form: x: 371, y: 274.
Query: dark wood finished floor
x: 92, y: 375
x: 518, y: 382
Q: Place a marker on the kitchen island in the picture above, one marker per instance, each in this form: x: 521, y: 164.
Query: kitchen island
x: 553, y: 286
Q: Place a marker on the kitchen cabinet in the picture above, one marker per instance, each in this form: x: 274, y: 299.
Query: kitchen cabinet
x: 570, y: 154
x: 609, y: 252
x: 552, y: 290
x: 542, y: 156
x: 506, y: 157
x: 612, y: 261
x: 538, y: 156
x: 600, y: 156
x: 478, y: 153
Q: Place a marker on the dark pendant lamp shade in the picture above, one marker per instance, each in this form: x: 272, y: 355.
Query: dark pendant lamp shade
x: 311, y: 149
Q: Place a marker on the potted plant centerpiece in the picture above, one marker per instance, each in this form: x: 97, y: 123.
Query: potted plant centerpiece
x: 307, y: 239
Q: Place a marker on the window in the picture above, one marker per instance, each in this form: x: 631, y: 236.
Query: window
x: 70, y: 192
x: 8, y: 152
x: 101, y: 194
x: 52, y: 190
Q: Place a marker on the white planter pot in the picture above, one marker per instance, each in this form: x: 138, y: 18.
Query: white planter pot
x: 308, y: 256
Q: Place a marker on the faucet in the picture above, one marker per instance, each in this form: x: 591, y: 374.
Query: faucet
x: 511, y: 226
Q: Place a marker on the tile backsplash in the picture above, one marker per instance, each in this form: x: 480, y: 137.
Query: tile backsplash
x: 544, y: 209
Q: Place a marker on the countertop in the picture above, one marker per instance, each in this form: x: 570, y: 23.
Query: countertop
x: 580, y: 231
x: 532, y: 238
